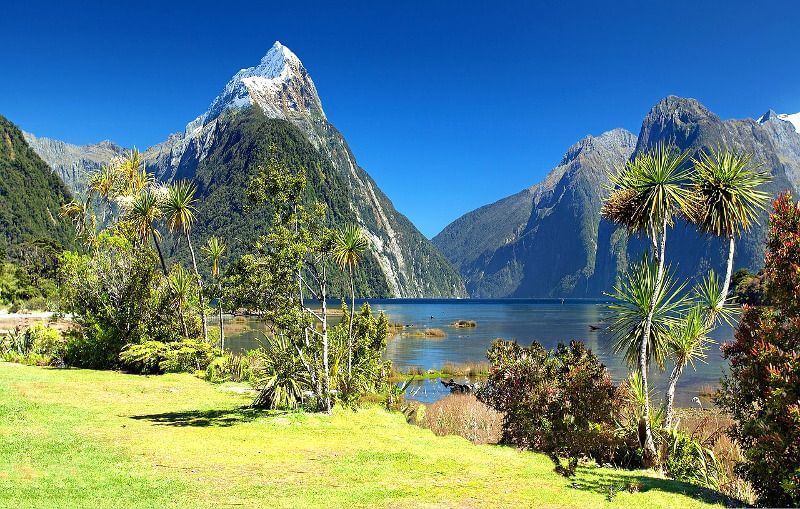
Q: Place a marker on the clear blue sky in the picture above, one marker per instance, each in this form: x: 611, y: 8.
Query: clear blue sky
x: 448, y: 106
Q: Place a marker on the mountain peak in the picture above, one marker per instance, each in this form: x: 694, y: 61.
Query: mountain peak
x: 792, y: 118
x: 279, y: 85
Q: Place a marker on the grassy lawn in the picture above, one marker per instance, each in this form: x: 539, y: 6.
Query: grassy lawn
x: 78, y: 438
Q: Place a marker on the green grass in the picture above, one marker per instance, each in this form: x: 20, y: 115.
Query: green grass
x: 78, y: 438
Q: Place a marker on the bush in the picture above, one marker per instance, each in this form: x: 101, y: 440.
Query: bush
x: 464, y: 415
x: 230, y: 368
x: 145, y: 358
x: 762, y: 389
x: 690, y: 460
x: 38, y: 345
x: 188, y: 356
x: 119, y: 297
x: 562, y: 403
x: 155, y: 357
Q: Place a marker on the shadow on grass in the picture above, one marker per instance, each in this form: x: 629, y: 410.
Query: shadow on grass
x: 204, y: 418
x: 609, y: 484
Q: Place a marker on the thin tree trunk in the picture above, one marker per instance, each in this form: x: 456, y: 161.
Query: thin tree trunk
x: 183, y: 323
x: 200, y: 287
x: 673, y: 381
x: 221, y: 327
x: 350, y: 330
x: 729, y: 272
x: 644, y: 424
x: 158, y: 249
x: 323, y: 286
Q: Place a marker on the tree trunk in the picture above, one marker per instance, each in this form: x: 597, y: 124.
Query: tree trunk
x: 729, y: 272
x: 158, y: 249
x: 650, y: 454
x: 221, y: 328
x: 183, y: 323
x: 323, y: 288
x: 673, y: 381
x: 200, y: 287
x: 350, y: 330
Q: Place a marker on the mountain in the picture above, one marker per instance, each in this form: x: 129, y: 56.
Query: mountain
x: 73, y: 163
x: 276, y: 104
x: 30, y: 194
x: 553, y: 268
x: 540, y: 241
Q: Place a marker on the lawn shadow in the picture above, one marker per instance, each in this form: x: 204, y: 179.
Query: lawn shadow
x: 609, y: 484
x: 205, y: 418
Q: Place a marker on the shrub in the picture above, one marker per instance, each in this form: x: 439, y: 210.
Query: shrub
x: 688, y: 459
x: 187, y: 356
x: 562, y: 403
x: 762, y: 389
x: 144, y: 358
x: 464, y: 415
x: 230, y: 368
x: 37, y: 345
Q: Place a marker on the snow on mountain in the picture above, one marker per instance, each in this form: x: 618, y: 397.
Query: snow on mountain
x: 792, y: 118
x: 279, y: 85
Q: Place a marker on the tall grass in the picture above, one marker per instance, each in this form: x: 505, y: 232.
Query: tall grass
x: 465, y: 416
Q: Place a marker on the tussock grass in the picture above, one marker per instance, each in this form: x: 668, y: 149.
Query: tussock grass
x: 463, y: 415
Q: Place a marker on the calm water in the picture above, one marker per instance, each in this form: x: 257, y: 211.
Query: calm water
x: 544, y: 320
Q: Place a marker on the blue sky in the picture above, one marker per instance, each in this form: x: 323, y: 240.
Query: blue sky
x: 449, y: 106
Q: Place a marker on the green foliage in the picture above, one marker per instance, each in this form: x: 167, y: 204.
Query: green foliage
x: 726, y: 200
x: 561, y: 402
x: 144, y: 358
x: 28, y: 279
x: 246, y: 144
x: 118, y: 296
x: 691, y: 461
x: 649, y: 190
x: 762, y: 389
x: 155, y: 357
x: 30, y: 195
x: 633, y: 294
x: 38, y: 345
x: 282, y: 379
x: 232, y: 367
x: 188, y: 356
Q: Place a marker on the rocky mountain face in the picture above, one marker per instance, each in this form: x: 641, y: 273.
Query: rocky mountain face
x: 541, y: 241
x: 30, y: 195
x: 277, y: 101
x: 772, y: 139
x: 73, y: 163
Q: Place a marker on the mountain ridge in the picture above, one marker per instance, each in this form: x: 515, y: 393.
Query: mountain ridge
x: 772, y: 139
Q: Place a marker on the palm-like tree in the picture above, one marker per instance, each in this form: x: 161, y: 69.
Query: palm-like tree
x: 179, y: 208
x: 104, y: 183
x: 726, y: 199
x: 348, y: 248
x: 688, y: 343
x: 143, y: 215
x: 179, y: 285
x: 647, y: 194
x: 82, y: 219
x: 214, y: 249
x: 633, y: 295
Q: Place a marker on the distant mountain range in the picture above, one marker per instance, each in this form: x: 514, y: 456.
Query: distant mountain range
x: 276, y: 103
x: 545, y: 241
x: 549, y: 240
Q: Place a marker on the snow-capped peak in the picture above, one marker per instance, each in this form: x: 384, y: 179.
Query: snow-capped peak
x: 792, y: 118
x: 279, y: 85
